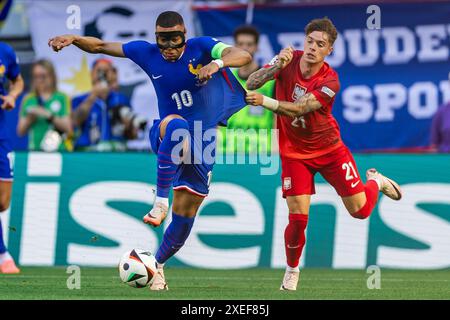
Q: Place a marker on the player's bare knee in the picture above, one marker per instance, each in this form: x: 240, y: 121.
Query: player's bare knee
x: 185, y: 211
x: 354, y: 210
x: 187, y: 208
x: 165, y: 122
x: 4, y: 204
x: 358, y: 215
x: 186, y: 203
x: 354, y: 204
x: 5, y: 199
x: 298, y: 210
x: 299, y: 204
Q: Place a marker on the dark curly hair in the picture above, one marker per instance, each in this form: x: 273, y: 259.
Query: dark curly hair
x: 246, y: 29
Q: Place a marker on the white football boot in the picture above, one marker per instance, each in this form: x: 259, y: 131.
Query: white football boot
x: 157, y: 215
x: 159, y: 281
x: 387, y: 186
x: 290, y: 280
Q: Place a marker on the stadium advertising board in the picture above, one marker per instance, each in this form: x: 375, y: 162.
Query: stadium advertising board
x: 86, y: 209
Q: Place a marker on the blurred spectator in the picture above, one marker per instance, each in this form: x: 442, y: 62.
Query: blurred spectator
x: 114, y: 79
x: 440, y: 128
x: 45, y: 112
x: 247, y: 37
x: 103, y: 119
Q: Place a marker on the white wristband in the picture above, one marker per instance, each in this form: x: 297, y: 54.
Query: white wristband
x: 219, y: 62
x: 270, y: 103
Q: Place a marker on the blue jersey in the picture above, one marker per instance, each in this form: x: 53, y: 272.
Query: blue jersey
x: 178, y: 88
x: 9, y: 69
x: 97, y: 126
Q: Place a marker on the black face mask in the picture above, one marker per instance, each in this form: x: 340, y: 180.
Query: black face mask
x: 167, y: 38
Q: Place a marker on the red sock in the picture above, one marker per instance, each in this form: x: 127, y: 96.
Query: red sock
x: 371, y: 190
x: 294, y: 238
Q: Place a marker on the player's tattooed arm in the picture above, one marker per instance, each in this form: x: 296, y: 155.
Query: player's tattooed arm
x: 88, y: 44
x: 302, y: 106
x: 258, y: 78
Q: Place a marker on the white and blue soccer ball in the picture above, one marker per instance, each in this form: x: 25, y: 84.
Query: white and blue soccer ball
x: 137, y: 268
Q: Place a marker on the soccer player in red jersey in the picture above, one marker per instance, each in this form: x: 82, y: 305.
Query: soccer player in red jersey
x: 309, y: 138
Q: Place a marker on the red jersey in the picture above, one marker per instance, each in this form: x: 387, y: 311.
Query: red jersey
x: 315, y: 133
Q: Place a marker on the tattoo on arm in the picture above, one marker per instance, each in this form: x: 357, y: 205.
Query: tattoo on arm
x: 302, y: 106
x: 258, y: 78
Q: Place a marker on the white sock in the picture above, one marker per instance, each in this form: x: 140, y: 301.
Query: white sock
x: 162, y: 200
x: 290, y: 269
x: 5, y: 256
x: 159, y: 265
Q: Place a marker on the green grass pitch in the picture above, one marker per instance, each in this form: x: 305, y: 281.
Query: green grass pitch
x: 186, y: 283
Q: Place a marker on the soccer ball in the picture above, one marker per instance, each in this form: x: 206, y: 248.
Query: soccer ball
x: 137, y: 267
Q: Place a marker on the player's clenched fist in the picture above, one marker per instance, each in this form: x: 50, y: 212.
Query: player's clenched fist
x: 205, y: 73
x: 254, y: 98
x: 59, y: 42
x: 285, y: 56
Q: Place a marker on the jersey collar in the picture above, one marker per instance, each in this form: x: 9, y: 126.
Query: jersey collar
x: 322, y: 69
x: 178, y: 57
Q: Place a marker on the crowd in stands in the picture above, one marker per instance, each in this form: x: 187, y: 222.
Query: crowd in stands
x: 99, y: 120
x: 103, y: 119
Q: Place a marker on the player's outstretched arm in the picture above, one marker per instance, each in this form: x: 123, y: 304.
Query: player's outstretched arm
x: 235, y: 57
x: 302, y: 106
x: 88, y: 44
x: 258, y: 78
x: 230, y: 57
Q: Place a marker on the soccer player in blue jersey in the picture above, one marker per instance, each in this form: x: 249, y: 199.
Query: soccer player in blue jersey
x: 9, y: 70
x: 188, y: 96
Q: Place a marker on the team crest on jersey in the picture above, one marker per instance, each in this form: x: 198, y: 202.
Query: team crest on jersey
x: 298, y: 92
x: 2, y: 69
x: 287, y: 183
x: 194, y: 70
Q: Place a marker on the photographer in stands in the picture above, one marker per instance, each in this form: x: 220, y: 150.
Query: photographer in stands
x: 103, y: 119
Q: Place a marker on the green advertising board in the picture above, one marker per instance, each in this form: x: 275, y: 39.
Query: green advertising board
x: 86, y: 209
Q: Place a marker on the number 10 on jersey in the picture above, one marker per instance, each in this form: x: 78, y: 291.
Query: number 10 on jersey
x: 184, y: 98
